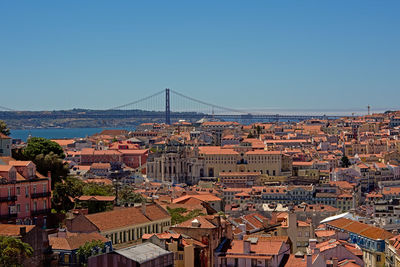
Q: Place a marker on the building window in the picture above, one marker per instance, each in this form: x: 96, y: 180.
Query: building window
x: 44, y: 204
x: 378, y: 257
x: 27, y: 207
x: 18, y: 191
x: 18, y: 208
x: 34, y: 206
x: 66, y: 258
x: 44, y: 188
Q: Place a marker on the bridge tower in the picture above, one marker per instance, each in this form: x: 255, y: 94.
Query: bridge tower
x: 167, y: 108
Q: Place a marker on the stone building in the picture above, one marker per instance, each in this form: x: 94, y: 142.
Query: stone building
x: 176, y: 164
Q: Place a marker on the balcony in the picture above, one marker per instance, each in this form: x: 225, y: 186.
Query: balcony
x: 40, y: 212
x: 8, y: 199
x: 8, y: 216
x: 37, y: 195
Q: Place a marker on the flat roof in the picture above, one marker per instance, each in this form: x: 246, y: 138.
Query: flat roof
x: 143, y: 252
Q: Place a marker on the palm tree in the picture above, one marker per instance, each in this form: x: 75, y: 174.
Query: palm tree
x: 13, y: 251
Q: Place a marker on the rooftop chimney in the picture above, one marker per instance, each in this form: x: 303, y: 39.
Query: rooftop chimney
x: 22, y: 231
x: 335, y: 262
x: 143, y: 209
x: 246, y: 247
x: 195, y: 223
x: 312, y: 243
x: 309, y: 260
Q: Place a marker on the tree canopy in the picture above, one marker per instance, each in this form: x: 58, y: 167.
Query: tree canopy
x: 40, y: 145
x: 72, y: 187
x: 69, y: 187
x: 4, y: 129
x: 92, y: 248
x: 127, y: 196
x: 47, y: 155
x: 179, y: 215
x: 345, y: 162
x: 13, y: 251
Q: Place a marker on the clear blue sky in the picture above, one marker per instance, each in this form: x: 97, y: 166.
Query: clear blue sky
x: 241, y: 54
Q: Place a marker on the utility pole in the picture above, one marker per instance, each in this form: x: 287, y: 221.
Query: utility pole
x: 167, y: 108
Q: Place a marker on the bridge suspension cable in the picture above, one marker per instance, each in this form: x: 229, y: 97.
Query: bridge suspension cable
x: 208, y: 104
x: 6, y: 109
x: 138, y: 101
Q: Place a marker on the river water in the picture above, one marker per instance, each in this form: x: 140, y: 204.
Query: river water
x: 58, y: 133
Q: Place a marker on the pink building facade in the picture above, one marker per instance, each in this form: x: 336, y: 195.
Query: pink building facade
x: 25, y: 195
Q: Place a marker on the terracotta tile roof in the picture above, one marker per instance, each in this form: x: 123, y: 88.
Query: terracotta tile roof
x: 133, y: 151
x: 303, y: 163
x: 327, y: 245
x: 391, y: 191
x: 347, y: 263
x: 64, y: 142
x: 3, y: 136
x: 303, y: 224
x: 165, y: 235
x: 263, y: 152
x: 100, y: 166
x: 203, y: 221
x: 202, y: 197
x: 5, y: 168
x: 73, y: 241
x: 191, y: 241
x: 216, y: 150
x: 127, y: 216
x: 19, y: 163
x: 362, y: 229
x: 296, y: 261
x: 325, y: 233
x: 96, y: 198
x: 256, y: 219
x: 13, y: 230
x: 261, y: 247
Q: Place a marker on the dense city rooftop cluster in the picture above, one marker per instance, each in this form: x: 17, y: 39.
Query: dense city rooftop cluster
x: 210, y: 193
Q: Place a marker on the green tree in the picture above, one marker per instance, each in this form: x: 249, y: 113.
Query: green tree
x: 48, y: 156
x: 91, y: 248
x: 92, y: 189
x: 70, y: 187
x: 345, y: 162
x: 250, y: 135
x: 51, y: 163
x: 13, y: 251
x: 179, y: 215
x: 127, y: 196
x: 258, y: 129
x: 4, y: 129
x: 39, y: 145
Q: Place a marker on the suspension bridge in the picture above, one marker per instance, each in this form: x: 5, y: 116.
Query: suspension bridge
x: 167, y: 105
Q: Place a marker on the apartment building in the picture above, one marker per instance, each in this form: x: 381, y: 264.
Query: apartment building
x: 25, y: 194
x: 123, y: 225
